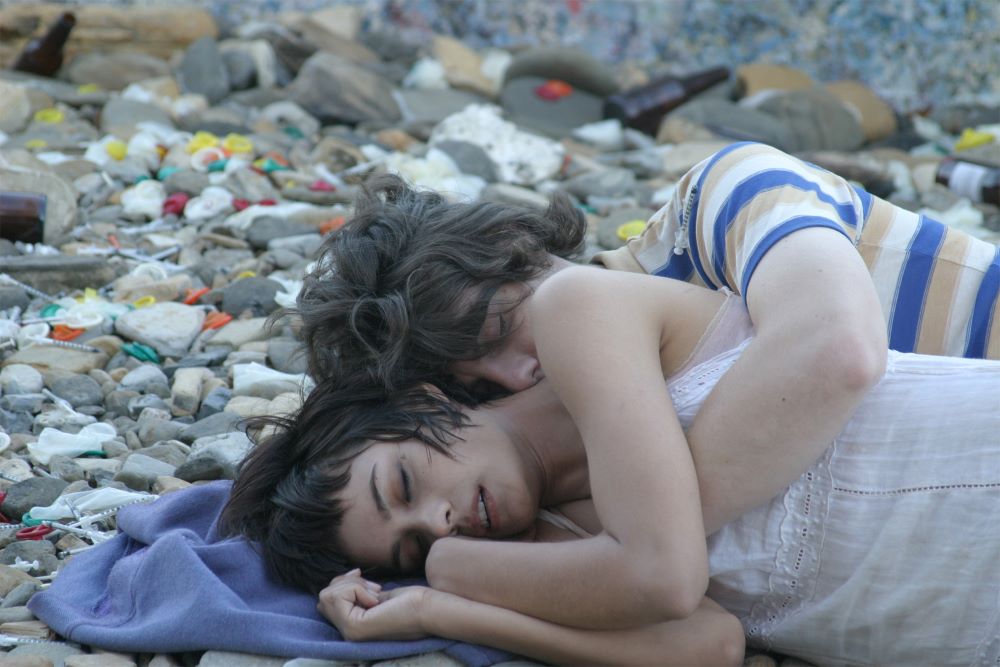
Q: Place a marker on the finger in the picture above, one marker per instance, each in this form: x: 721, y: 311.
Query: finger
x: 366, y: 598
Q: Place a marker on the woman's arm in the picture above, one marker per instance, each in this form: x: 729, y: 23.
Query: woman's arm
x: 710, y: 636
x: 599, y: 338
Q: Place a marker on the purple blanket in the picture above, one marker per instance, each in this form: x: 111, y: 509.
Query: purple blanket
x: 169, y: 583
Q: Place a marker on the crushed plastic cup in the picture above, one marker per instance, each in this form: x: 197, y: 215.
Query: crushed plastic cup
x: 145, y: 198
x: 149, y: 270
x: 212, y: 201
x: 52, y: 442
x: 27, y: 334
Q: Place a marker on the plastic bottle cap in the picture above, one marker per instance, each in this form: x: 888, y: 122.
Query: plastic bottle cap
x: 141, y: 352
x: 35, y: 143
x: 51, y: 310
x: 630, y: 229
x: 246, y: 274
x: 971, y: 138
x: 553, y: 89
x: 142, y: 302
x: 202, y: 139
x: 65, y: 332
x: 116, y: 149
x: 205, y: 156
x: 88, y: 88
x: 237, y: 143
x: 49, y: 115
x: 164, y: 172
x: 218, y: 165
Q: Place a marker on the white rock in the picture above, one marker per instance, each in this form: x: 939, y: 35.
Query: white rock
x: 256, y: 380
x: 238, y: 332
x: 21, y: 379
x: 229, y: 449
x: 140, y: 377
x: 438, y: 172
x: 168, y: 327
x: 521, y: 158
x: 15, y: 107
x: 607, y: 135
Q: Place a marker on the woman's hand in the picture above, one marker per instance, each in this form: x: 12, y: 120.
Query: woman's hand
x: 362, y: 611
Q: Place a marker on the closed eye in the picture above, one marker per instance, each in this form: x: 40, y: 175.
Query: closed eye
x: 407, y: 484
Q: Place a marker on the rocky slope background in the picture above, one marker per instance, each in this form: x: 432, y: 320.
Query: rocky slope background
x: 192, y: 159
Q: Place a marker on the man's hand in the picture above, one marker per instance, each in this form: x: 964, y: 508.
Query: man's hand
x: 362, y: 611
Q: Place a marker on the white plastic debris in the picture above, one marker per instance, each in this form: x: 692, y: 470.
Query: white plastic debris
x: 607, y: 135
x: 71, y: 505
x: 52, y: 442
x: 438, y: 172
x: 521, y: 158
x: 212, y: 201
x: 145, y: 198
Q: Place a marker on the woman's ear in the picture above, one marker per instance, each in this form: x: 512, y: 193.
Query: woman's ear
x: 433, y: 390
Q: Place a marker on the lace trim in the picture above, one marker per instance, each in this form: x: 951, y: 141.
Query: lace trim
x: 917, y: 489
x: 792, y: 582
x: 688, y: 389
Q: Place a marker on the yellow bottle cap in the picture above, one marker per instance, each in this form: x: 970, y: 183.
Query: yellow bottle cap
x: 237, y: 143
x: 142, y: 302
x: 630, y: 229
x: 116, y: 149
x: 36, y: 143
x: 50, y: 115
x: 246, y: 274
x: 971, y: 138
x: 88, y: 88
x: 202, y: 139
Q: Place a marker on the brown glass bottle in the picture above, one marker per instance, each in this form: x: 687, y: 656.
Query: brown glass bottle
x: 22, y: 216
x: 644, y: 107
x: 978, y: 182
x: 44, y: 56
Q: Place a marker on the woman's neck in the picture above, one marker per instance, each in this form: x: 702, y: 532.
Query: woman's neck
x: 543, y: 431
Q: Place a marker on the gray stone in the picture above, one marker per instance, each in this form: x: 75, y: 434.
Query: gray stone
x: 255, y: 294
x: 304, y: 245
x: 606, y: 183
x: 287, y: 355
x: 248, y: 184
x: 158, y: 429
x: 228, y: 449
x: 34, y: 492
x: 200, y: 470
x: 139, y: 379
x: 57, y: 652
x: 42, y: 551
x: 27, y: 403
x: 607, y: 229
x: 234, y: 659
x: 555, y: 118
x: 816, y: 118
x: 55, y: 273
x: 117, y: 401
x: 115, y: 70
x: 186, y: 180
x: 169, y: 451
x: 335, y: 89
x: 568, y: 64
x: 470, y: 158
x: 20, y: 379
x: 430, y: 107
x: 19, y: 595
x: 14, y: 614
x: 203, y: 71
x: 128, y: 170
x: 168, y: 327
x: 215, y: 402
x: 15, y: 107
x: 120, y: 116
x: 139, y: 471
x: 266, y: 228
x: 12, y: 296
x: 66, y: 468
x: 211, y: 356
x: 77, y: 389
x: 143, y: 402
x: 728, y: 119
x: 211, y: 425
x: 240, y: 68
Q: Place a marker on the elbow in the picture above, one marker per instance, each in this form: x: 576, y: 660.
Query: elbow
x: 852, y: 361
x: 731, y: 647
x: 671, y: 597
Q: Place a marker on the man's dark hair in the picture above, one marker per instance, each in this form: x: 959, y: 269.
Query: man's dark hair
x: 285, y: 497
x: 402, y: 290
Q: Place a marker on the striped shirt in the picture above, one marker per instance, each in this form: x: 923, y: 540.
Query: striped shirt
x: 938, y: 286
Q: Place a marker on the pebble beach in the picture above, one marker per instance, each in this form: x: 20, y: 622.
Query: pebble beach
x: 192, y: 160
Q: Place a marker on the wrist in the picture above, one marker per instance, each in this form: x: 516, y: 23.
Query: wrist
x: 435, y: 607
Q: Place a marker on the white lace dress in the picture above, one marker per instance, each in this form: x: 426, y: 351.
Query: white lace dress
x: 887, y: 550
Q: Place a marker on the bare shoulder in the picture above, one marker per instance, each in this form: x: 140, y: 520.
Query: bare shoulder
x: 581, y: 285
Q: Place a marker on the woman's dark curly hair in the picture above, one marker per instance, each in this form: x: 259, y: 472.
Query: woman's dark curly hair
x: 285, y: 497
x: 402, y: 290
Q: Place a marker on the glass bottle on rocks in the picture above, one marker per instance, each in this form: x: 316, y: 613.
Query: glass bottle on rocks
x: 643, y: 107
x: 978, y: 182
x: 22, y: 216
x: 44, y: 56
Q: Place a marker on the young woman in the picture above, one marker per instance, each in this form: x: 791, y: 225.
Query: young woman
x: 879, y: 548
